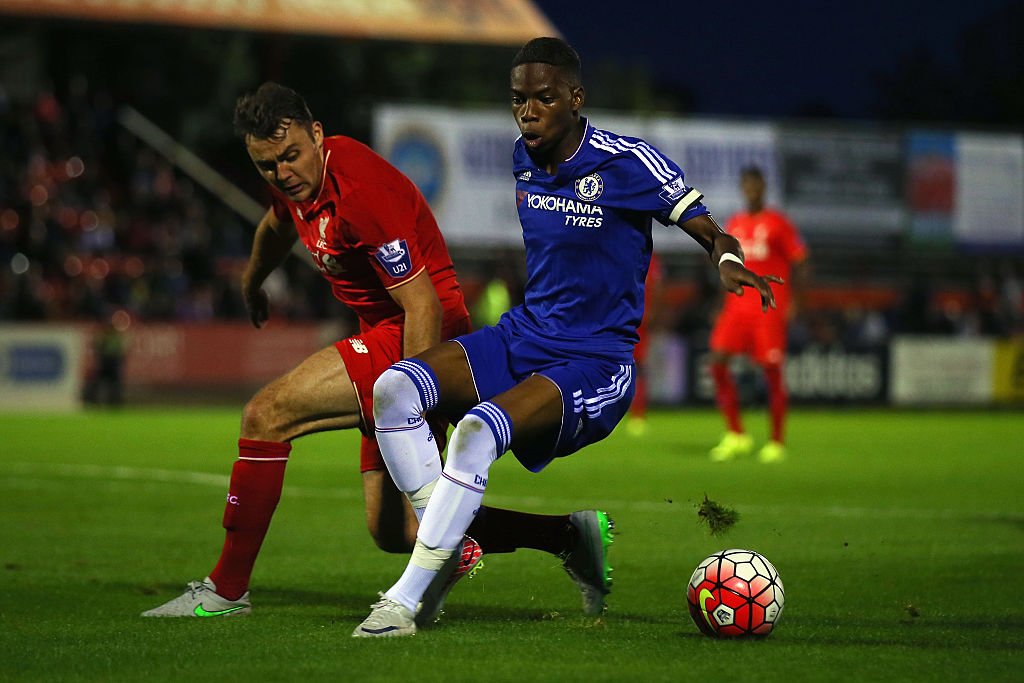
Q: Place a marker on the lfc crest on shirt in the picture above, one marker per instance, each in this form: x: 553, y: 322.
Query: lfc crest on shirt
x: 325, y: 220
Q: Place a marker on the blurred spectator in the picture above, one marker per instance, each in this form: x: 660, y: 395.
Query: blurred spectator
x: 92, y: 221
x: 862, y: 328
x: 105, y: 382
x: 496, y: 297
x: 1012, y: 298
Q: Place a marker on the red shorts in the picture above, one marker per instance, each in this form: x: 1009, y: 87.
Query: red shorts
x: 368, y: 354
x: 762, y: 336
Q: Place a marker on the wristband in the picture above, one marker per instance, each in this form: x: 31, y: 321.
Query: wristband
x: 729, y: 257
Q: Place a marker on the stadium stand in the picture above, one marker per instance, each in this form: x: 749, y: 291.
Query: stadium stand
x: 93, y: 221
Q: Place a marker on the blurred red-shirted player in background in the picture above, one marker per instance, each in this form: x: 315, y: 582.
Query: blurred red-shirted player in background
x: 375, y: 240
x: 653, y: 292
x: 770, y: 245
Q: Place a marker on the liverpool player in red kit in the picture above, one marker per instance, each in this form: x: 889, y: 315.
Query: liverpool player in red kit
x: 375, y: 240
x: 770, y: 245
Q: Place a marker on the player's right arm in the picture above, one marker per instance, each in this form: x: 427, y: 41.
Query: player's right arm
x: 274, y: 239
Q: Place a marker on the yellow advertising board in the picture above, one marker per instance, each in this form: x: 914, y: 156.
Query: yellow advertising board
x: 501, y: 22
x: 1008, y: 371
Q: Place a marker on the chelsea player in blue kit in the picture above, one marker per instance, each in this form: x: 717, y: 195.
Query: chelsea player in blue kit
x: 556, y: 373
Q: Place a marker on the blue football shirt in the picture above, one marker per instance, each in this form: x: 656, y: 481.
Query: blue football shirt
x: 587, y: 232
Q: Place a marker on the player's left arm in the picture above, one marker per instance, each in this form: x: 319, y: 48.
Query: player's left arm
x: 725, y: 252
x: 799, y: 284
x: 792, y: 245
x: 423, y: 313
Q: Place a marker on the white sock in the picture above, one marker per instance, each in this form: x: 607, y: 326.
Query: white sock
x: 401, y: 395
x: 421, y: 570
x: 419, y: 499
x: 460, y: 491
x: 456, y: 498
x: 411, y: 586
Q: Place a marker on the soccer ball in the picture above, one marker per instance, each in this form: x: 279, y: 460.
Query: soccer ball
x: 735, y: 593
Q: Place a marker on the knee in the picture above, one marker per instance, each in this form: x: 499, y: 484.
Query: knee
x: 473, y: 447
x: 394, y: 543
x: 259, y: 417
x: 393, y: 540
x: 390, y: 392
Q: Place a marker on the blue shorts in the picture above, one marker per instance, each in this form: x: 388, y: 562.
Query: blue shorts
x: 596, y: 392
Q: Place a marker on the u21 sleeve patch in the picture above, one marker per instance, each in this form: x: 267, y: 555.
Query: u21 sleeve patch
x: 394, y: 258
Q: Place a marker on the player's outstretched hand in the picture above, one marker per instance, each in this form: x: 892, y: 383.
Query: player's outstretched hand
x: 735, y: 277
x: 259, y: 307
x: 256, y: 302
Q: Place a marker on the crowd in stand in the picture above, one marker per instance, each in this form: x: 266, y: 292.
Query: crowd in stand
x: 94, y: 223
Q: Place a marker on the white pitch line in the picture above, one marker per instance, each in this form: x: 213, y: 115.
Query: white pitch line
x: 121, y: 473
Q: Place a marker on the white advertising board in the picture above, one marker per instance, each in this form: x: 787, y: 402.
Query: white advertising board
x: 40, y: 367
x: 941, y: 370
x: 462, y: 162
x: 712, y: 154
x: 989, y: 195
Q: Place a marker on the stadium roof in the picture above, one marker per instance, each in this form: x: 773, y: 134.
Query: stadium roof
x: 501, y: 22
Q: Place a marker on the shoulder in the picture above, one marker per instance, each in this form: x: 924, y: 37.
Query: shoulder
x: 738, y: 219
x: 778, y: 218
x: 346, y: 152
x: 356, y: 166
x: 631, y: 154
x: 520, y: 159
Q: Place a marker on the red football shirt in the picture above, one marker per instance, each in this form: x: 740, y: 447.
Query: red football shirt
x: 771, y: 245
x: 369, y: 230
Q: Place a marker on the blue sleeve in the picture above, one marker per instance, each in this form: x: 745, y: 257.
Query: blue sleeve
x: 645, y: 180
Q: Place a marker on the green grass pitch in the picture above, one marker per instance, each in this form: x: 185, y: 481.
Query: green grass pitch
x: 898, y: 536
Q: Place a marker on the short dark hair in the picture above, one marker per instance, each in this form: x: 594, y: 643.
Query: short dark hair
x: 752, y: 171
x: 262, y: 113
x: 553, y: 51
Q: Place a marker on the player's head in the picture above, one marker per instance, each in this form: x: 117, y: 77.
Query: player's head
x: 752, y: 186
x: 282, y: 139
x: 555, y: 52
x: 547, y: 95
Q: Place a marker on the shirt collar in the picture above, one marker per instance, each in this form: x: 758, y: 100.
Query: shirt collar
x: 586, y: 134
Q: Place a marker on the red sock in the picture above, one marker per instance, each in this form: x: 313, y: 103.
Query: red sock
x: 726, y: 396
x: 778, y: 400
x: 255, y: 488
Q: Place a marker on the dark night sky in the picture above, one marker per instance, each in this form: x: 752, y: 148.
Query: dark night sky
x: 766, y: 58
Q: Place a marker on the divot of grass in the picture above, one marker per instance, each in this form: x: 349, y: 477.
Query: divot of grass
x: 718, y: 517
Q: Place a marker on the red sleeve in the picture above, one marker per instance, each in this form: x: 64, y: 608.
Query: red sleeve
x: 791, y: 245
x: 730, y: 223
x: 385, y: 223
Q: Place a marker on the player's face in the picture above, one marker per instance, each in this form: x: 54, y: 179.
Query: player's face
x: 752, y: 187
x: 292, y: 161
x: 547, y: 109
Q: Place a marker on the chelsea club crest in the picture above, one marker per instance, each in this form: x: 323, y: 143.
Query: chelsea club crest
x: 590, y: 187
